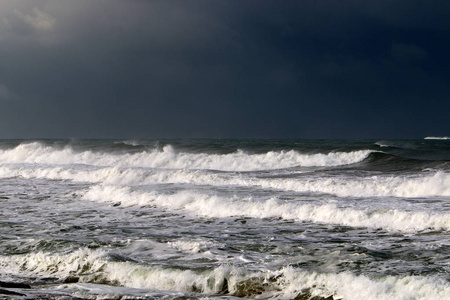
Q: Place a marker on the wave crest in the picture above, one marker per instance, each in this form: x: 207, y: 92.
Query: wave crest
x: 437, y: 138
x: 94, y: 266
x: 216, y: 206
x: 169, y: 158
x: 433, y: 184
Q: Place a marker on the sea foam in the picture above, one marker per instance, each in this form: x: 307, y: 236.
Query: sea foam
x: 426, y: 184
x: 214, y: 206
x: 168, y: 157
x: 96, y: 266
x: 437, y: 138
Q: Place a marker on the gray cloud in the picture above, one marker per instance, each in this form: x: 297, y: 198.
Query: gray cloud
x: 223, y: 68
x: 6, y: 94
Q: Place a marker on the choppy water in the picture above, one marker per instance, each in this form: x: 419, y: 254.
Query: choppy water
x: 227, y: 218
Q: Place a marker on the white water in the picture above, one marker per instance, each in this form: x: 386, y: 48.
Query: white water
x: 112, y: 184
x: 437, y: 138
x: 171, y: 159
x: 429, y: 184
x: 213, y: 206
x: 161, y: 222
x: 286, y: 283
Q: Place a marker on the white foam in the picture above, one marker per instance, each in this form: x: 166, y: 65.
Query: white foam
x: 168, y: 157
x: 215, y: 206
x: 351, y: 287
x: 81, y: 262
x: 193, y: 246
x: 381, y: 144
x: 94, y: 266
x: 286, y: 283
x: 427, y: 184
x: 130, y: 143
x: 437, y: 138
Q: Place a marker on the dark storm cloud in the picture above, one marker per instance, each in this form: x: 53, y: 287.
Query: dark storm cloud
x: 224, y: 68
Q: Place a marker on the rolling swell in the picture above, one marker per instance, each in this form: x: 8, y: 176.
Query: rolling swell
x: 382, y: 161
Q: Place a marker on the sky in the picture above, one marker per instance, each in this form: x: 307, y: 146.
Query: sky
x: 224, y: 69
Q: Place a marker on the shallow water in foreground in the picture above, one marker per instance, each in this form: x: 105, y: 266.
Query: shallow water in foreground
x: 226, y: 218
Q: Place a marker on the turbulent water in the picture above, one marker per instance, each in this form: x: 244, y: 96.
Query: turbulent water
x: 268, y: 219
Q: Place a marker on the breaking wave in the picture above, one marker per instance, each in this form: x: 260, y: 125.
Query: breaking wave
x: 437, y: 138
x: 214, y: 206
x: 275, y: 219
x: 169, y: 158
x: 428, y: 184
x: 98, y: 266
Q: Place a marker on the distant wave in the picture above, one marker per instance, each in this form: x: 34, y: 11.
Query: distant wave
x: 383, y: 144
x: 437, y: 138
x: 393, y: 144
x: 388, y: 162
x: 132, y: 142
x: 398, y: 144
x: 169, y: 158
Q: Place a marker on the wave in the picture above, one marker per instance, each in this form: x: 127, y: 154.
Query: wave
x: 437, y: 138
x: 130, y: 143
x: 98, y: 266
x: 168, y: 157
x: 215, y: 206
x: 389, y: 162
x: 425, y: 184
x: 383, y: 144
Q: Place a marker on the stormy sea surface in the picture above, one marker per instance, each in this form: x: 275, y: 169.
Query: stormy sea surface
x: 225, y: 219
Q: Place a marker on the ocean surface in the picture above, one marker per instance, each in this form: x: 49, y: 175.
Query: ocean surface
x: 226, y: 219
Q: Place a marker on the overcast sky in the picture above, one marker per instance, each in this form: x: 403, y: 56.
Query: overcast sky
x: 224, y: 68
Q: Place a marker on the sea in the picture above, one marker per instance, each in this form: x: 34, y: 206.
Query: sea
x: 225, y: 219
